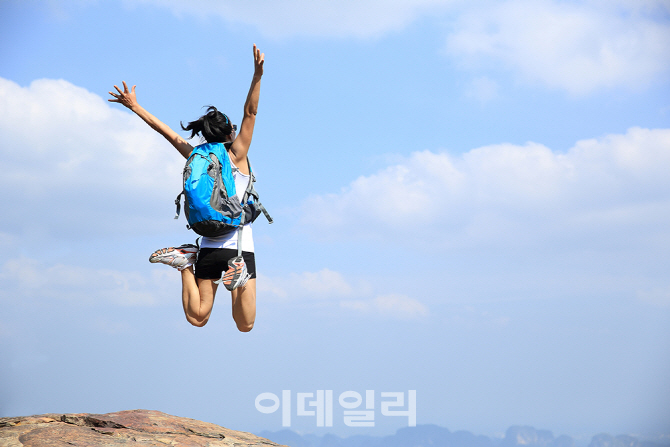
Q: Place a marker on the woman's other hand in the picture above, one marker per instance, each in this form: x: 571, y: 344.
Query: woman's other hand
x: 259, y: 59
x: 126, y: 97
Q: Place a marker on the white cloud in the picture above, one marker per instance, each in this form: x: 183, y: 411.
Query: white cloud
x: 26, y: 277
x: 326, y: 18
x: 509, y: 195
x: 324, y: 284
x: 75, y: 164
x: 482, y: 88
x: 576, y: 46
x: 394, y: 306
x: 657, y: 296
x: 331, y: 288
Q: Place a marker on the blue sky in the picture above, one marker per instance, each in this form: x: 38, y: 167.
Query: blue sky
x: 471, y: 201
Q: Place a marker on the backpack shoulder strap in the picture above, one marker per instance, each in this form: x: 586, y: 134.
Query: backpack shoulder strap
x: 251, y: 192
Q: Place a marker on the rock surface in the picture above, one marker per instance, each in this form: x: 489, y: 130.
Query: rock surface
x: 125, y: 428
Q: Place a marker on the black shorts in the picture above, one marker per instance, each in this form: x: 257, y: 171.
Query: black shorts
x: 212, y: 262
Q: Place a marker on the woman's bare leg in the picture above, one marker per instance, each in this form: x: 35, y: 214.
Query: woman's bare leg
x: 197, y: 297
x: 244, y: 306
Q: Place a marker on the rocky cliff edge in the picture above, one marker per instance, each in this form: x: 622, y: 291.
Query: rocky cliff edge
x: 125, y: 428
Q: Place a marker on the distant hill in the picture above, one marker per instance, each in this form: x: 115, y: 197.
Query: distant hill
x: 435, y: 436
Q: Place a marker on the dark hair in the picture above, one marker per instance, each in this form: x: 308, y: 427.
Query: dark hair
x: 214, y: 126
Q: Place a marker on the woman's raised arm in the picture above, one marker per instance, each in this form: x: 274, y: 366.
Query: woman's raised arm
x: 128, y: 99
x: 240, y: 146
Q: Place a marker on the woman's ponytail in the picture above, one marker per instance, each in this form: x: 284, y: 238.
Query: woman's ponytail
x: 214, y: 126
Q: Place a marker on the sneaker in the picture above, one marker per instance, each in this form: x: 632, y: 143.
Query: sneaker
x: 178, y: 257
x: 236, y: 275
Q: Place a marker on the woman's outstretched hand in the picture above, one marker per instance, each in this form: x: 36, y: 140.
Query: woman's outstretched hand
x: 259, y: 59
x: 126, y: 97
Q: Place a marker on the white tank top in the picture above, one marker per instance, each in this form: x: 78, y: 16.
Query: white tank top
x: 229, y: 240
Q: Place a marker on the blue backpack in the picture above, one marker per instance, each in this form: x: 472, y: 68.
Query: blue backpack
x: 211, y: 204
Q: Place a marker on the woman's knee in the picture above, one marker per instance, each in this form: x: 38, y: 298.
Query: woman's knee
x: 245, y: 327
x: 197, y: 323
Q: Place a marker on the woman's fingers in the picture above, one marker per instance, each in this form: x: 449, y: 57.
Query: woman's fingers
x: 258, y: 56
x: 124, y: 96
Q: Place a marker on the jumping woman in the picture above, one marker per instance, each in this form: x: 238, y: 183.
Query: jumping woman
x: 199, y: 285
